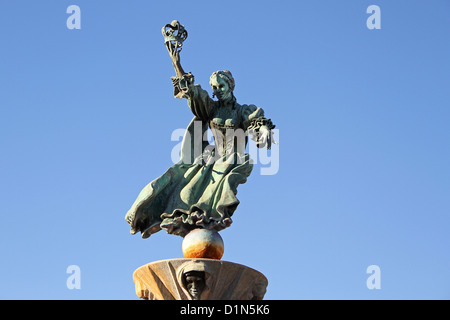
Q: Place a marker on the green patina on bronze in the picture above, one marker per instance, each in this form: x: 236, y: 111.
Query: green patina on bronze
x: 200, y: 190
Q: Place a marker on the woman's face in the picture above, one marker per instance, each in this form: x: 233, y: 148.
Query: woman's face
x: 221, y: 88
x: 195, y: 283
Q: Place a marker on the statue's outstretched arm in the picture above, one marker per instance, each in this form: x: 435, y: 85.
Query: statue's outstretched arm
x: 258, y: 126
x: 261, y: 131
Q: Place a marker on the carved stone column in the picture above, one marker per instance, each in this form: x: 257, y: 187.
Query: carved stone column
x: 198, y: 279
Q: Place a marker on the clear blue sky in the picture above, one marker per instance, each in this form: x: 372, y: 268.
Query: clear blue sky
x: 363, y: 116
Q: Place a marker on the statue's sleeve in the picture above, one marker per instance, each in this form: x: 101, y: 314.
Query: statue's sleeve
x: 252, y: 118
x: 200, y: 103
x: 198, y: 99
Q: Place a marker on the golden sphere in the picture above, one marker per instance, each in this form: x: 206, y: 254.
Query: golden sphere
x: 203, y: 243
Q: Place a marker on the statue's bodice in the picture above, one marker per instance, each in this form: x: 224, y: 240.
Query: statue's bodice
x: 231, y: 118
x: 224, y: 126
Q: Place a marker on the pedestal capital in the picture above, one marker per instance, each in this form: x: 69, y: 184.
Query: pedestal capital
x: 198, y: 279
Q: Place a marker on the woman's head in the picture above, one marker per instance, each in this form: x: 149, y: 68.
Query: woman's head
x: 194, y: 282
x: 222, y: 83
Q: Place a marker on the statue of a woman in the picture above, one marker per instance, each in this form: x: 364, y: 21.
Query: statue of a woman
x: 200, y: 190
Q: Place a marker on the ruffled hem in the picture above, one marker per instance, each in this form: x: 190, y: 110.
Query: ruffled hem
x: 181, y: 222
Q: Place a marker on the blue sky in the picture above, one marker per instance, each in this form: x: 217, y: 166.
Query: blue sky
x: 363, y: 118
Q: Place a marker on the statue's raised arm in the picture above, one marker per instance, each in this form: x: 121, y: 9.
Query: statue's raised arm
x: 199, y: 100
x: 174, y: 35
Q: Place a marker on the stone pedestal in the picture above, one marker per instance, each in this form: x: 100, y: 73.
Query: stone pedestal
x: 198, y: 279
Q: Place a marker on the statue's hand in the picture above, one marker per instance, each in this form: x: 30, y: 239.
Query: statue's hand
x: 264, y: 137
x: 182, y: 84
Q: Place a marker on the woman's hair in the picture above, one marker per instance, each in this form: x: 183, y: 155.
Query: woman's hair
x: 225, y: 75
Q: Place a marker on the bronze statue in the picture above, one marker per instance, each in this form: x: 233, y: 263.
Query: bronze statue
x: 200, y: 190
